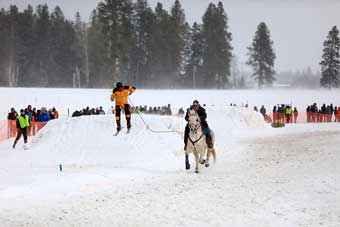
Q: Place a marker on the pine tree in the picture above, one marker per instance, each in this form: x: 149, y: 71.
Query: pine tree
x: 126, y: 41
x: 4, y: 47
x: 100, y: 62
x: 13, y: 54
x: 262, y: 56
x: 144, y: 20
x: 160, y: 53
x: 176, y: 39
x: 109, y: 14
x: 217, y: 46
x: 194, y: 65
x: 117, y: 16
x: 82, y: 50
x: 330, y: 65
x: 25, y: 47
x: 42, y: 45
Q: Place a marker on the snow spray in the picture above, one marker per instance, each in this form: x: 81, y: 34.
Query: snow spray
x: 60, y: 168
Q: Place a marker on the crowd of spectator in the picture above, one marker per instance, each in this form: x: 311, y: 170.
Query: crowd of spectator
x: 87, y: 111
x: 322, y: 114
x: 282, y: 113
x: 35, y: 115
x: 314, y: 114
x: 164, y: 110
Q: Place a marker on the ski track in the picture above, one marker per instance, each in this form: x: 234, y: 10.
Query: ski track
x: 284, y: 180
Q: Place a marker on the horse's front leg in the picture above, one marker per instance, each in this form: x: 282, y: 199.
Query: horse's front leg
x: 207, y: 160
x: 196, y: 159
x: 187, y: 163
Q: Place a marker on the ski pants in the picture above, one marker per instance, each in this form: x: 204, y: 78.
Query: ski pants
x: 127, y: 115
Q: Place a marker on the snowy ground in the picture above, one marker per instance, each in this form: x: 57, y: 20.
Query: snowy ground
x: 262, y: 177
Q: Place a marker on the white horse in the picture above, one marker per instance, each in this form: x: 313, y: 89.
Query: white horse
x: 197, y: 142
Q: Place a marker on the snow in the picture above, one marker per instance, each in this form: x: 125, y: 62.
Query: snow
x: 263, y: 176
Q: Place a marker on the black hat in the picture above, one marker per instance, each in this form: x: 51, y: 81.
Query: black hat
x: 119, y: 85
x: 196, y: 101
x: 22, y: 110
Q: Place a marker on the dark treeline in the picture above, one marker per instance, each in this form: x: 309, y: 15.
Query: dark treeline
x: 129, y: 41
x: 37, y: 48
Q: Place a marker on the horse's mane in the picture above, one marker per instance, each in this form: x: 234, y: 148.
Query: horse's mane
x: 192, y: 113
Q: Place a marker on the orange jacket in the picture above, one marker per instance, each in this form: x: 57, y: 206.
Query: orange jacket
x: 121, y: 96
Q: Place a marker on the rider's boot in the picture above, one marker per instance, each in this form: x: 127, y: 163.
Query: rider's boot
x: 119, y: 127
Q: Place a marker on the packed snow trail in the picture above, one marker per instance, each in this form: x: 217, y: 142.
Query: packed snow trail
x: 289, y: 179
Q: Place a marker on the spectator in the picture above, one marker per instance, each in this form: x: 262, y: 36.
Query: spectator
x: 255, y: 109
x: 275, y: 114
x: 34, y: 115
x: 56, y: 113
x: 308, y: 111
x: 181, y: 112
x: 51, y: 114
x: 263, y: 111
x: 168, y: 110
x: 288, y: 113
x: 101, y: 111
x: 314, y: 110
x: 12, y: 115
x: 29, y: 112
x: 296, y: 114
x: 336, y: 114
x: 44, y: 115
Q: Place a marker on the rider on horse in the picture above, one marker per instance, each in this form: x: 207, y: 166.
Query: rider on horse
x: 203, y: 116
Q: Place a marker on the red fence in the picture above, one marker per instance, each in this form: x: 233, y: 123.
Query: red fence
x: 8, y: 129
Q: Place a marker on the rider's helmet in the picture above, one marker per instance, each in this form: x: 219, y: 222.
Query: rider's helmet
x: 119, y: 85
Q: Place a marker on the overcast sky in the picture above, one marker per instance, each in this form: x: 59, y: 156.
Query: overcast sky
x: 298, y: 27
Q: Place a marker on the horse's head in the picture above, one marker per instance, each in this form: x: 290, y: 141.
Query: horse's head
x: 194, y: 121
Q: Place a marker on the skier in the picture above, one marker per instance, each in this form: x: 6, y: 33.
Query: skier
x: 203, y: 116
x: 22, y: 125
x: 120, y: 94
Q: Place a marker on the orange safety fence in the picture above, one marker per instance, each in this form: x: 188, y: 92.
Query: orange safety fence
x: 8, y: 129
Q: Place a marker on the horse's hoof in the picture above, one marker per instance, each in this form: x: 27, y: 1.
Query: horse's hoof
x: 207, y: 164
x: 196, y: 171
x: 187, y: 166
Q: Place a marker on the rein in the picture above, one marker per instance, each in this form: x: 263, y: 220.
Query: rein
x: 194, y: 142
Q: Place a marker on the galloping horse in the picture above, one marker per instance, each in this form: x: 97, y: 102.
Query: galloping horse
x: 197, y: 142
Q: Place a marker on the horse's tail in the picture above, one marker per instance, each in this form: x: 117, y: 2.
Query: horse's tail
x: 213, y: 152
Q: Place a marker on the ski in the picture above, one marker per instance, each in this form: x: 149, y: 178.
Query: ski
x: 118, y: 131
